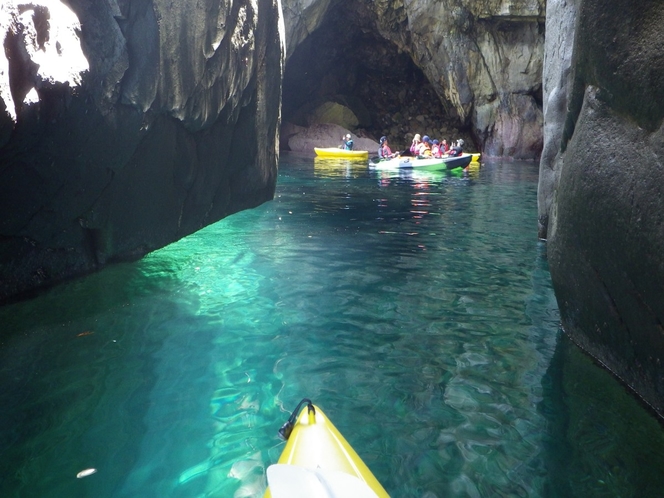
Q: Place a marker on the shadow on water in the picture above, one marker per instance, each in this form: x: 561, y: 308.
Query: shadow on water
x: 600, y: 440
x: 114, y: 287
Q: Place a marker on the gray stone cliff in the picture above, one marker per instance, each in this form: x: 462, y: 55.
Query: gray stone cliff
x: 128, y: 124
x: 601, y: 195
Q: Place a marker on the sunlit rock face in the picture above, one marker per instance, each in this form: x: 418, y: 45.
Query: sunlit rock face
x: 601, y: 193
x: 482, y: 58
x: 126, y: 125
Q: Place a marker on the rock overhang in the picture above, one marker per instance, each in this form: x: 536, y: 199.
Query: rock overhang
x: 142, y: 147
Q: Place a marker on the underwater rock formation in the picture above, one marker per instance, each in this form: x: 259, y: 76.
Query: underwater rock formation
x: 126, y: 125
x: 601, y: 194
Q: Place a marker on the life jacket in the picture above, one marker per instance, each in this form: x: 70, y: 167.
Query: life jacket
x: 384, y: 152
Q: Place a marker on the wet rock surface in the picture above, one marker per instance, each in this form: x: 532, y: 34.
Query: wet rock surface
x: 601, y: 199
x: 171, y: 125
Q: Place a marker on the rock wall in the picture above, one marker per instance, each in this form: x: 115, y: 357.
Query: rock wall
x: 126, y: 125
x: 345, y: 73
x: 601, y: 193
x: 301, y: 18
x: 482, y: 57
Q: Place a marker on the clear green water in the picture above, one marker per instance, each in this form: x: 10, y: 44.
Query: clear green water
x: 417, y: 311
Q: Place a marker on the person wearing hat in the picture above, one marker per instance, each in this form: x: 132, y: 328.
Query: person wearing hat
x: 425, y: 147
x: 384, y: 151
x: 435, y: 148
x: 415, y: 145
x: 347, y: 142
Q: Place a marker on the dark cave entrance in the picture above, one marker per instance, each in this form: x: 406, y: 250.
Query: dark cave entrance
x: 347, y: 62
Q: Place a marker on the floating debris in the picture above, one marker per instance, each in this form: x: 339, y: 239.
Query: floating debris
x: 85, y: 473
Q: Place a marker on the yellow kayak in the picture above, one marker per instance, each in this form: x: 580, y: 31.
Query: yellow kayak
x: 475, y: 157
x: 318, y: 462
x: 341, y: 153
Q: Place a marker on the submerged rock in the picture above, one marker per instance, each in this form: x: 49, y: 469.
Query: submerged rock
x: 126, y: 126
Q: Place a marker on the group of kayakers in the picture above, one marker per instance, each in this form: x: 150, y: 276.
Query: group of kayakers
x: 420, y: 147
x: 426, y: 147
x: 423, y: 147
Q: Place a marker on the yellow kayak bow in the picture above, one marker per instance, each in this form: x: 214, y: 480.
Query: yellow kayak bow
x: 318, y: 462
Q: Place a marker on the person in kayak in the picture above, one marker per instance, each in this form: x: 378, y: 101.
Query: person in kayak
x: 457, y: 150
x: 415, y: 145
x: 384, y: 151
x: 425, y: 147
x: 444, y: 147
x: 424, y: 144
x: 435, y: 148
x: 347, y: 142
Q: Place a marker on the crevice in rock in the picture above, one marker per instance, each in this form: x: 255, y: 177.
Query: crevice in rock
x: 21, y: 70
x: 40, y: 18
x: 93, y: 245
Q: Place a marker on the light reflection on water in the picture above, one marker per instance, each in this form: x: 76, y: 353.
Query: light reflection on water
x: 414, y: 308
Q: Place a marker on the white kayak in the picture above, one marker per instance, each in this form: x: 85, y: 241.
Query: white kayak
x: 432, y: 163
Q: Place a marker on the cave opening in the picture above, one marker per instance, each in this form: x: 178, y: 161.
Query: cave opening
x: 347, y: 62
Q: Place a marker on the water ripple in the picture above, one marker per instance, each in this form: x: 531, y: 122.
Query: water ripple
x: 417, y: 311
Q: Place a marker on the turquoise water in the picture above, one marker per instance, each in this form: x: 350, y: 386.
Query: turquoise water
x: 415, y: 309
